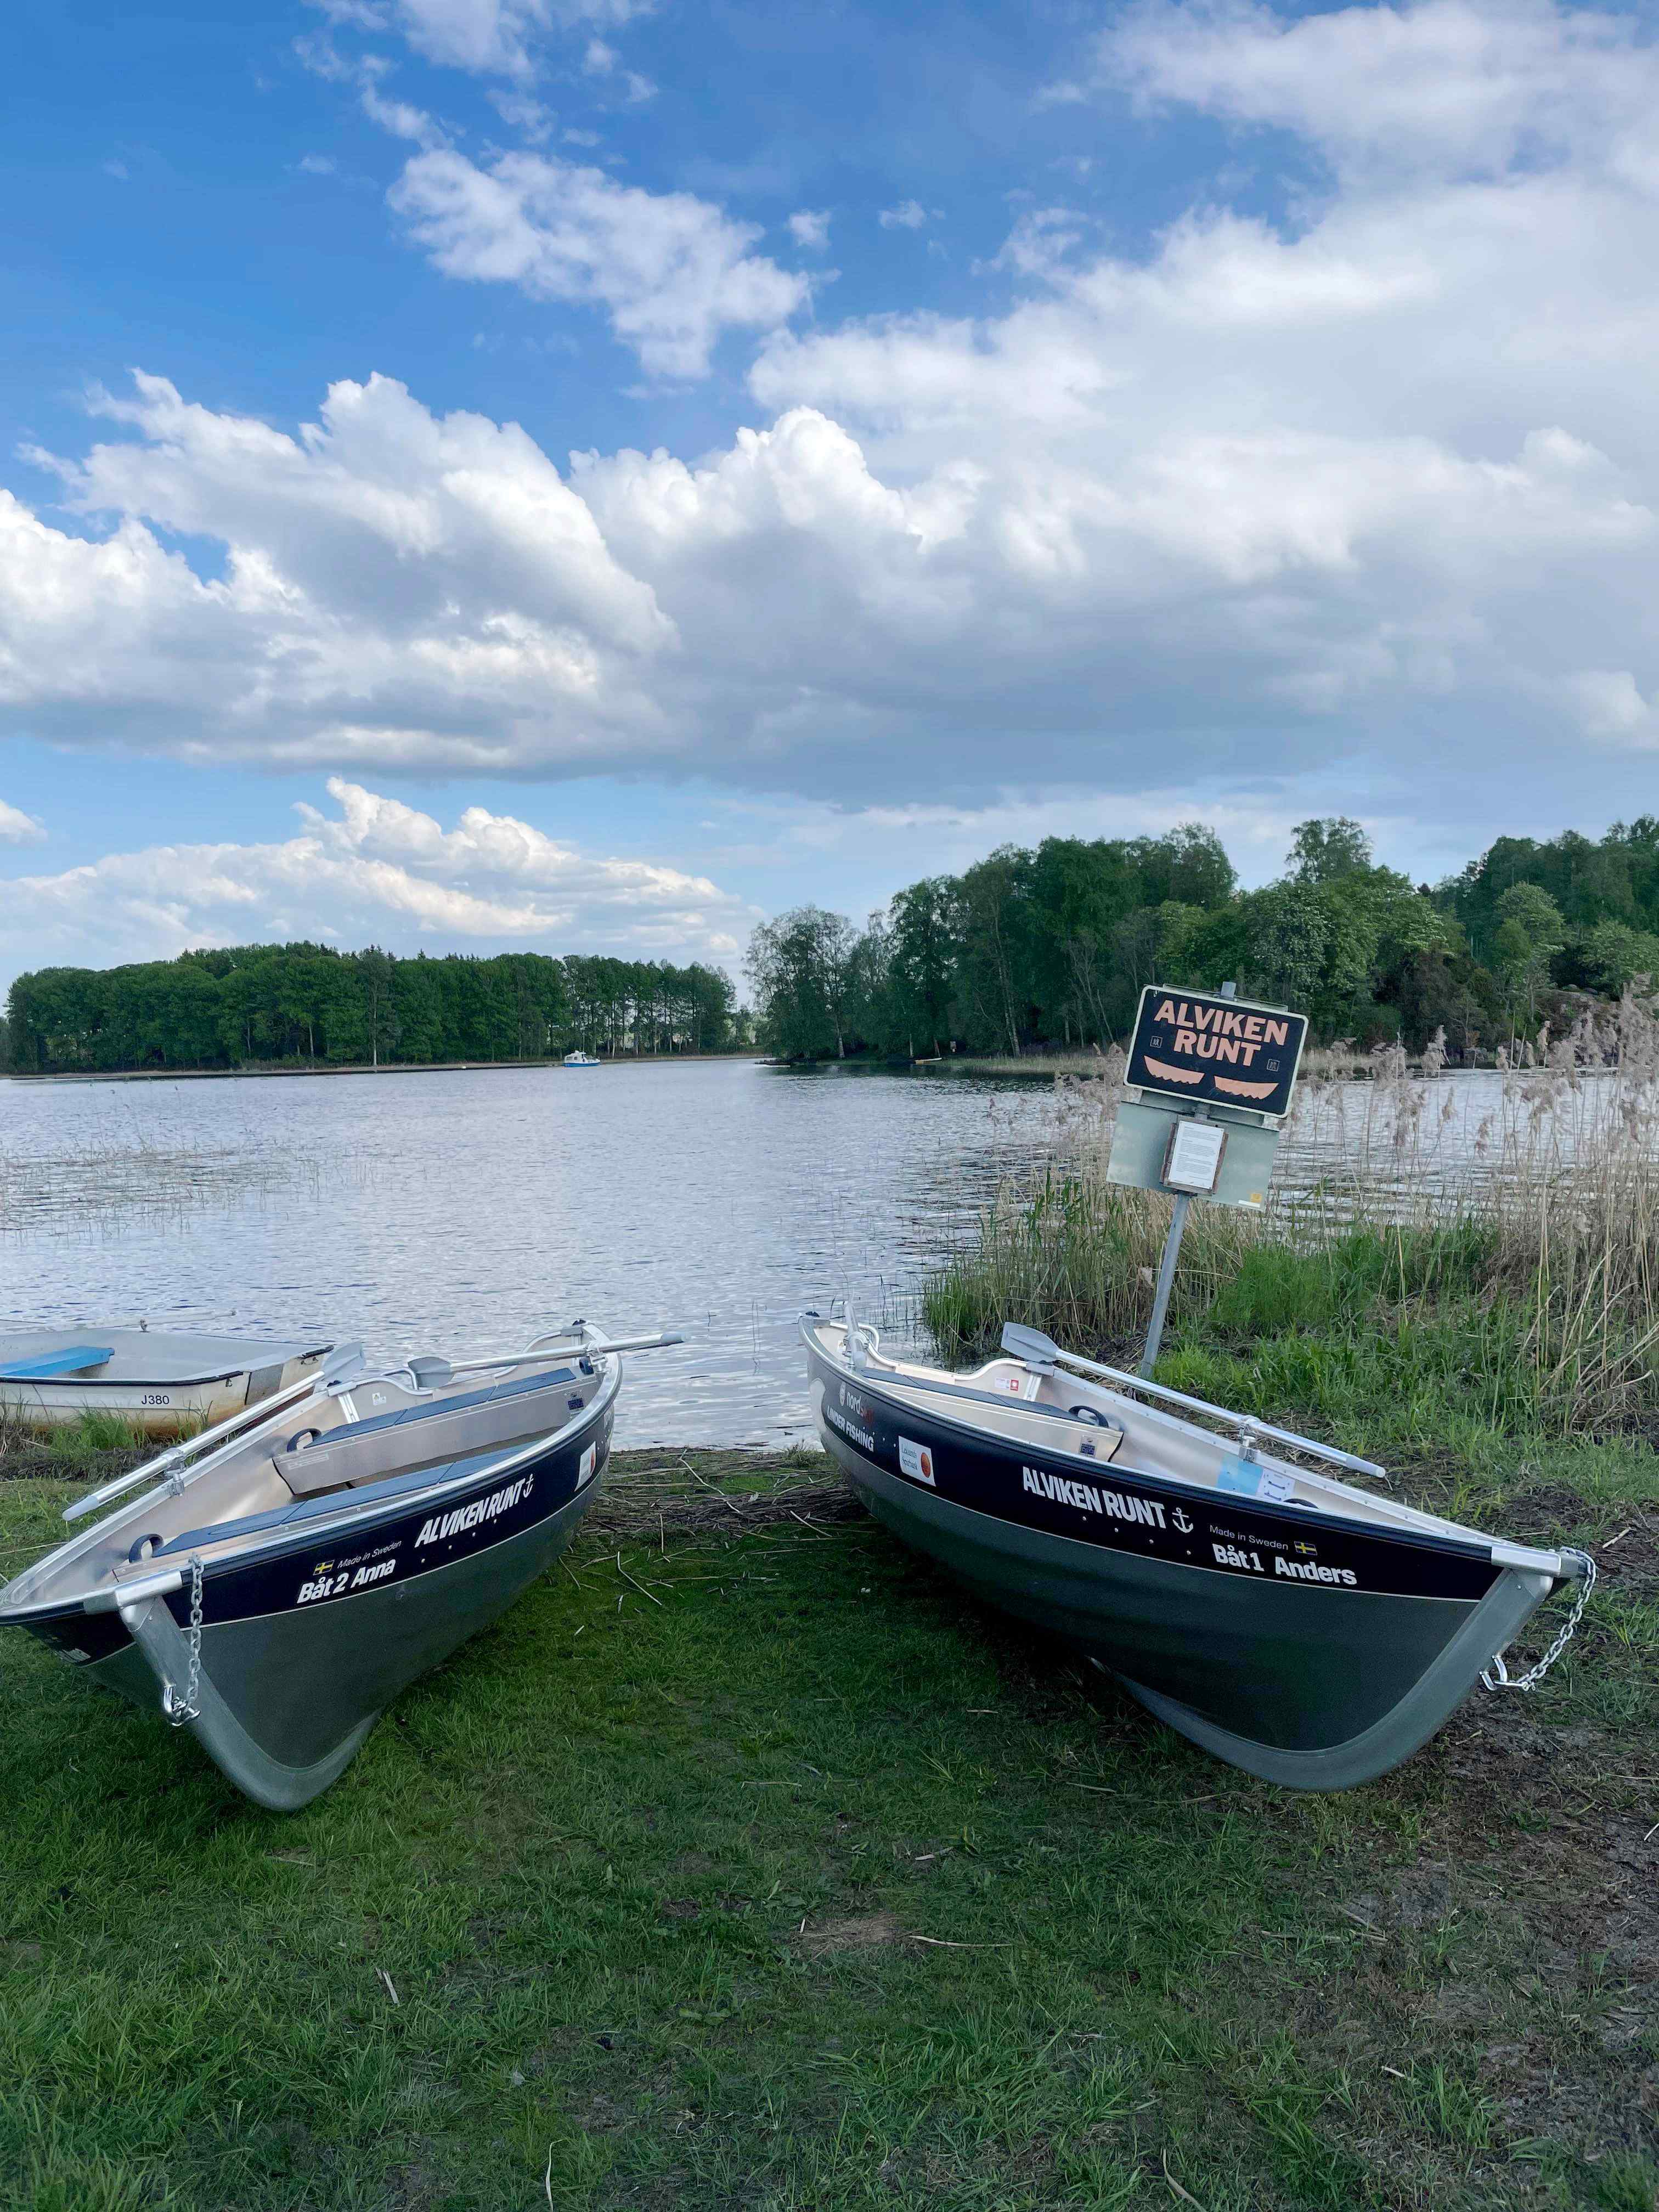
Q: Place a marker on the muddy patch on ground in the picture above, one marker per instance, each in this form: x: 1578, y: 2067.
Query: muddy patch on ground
x: 858, y: 1932
x: 1509, y: 1971
x: 648, y: 1494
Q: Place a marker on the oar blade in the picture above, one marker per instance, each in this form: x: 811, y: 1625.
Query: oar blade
x: 1029, y: 1345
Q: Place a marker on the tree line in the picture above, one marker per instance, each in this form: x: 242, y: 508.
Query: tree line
x: 1053, y: 946
x: 1027, y: 947
x: 265, y: 1004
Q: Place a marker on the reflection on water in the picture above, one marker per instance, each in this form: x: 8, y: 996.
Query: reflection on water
x: 455, y: 1211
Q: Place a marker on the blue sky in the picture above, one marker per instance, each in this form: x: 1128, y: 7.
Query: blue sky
x: 989, y: 422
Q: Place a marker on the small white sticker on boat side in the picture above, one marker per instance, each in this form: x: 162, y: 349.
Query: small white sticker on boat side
x: 590, y: 1460
x: 916, y: 1460
x: 1021, y: 1384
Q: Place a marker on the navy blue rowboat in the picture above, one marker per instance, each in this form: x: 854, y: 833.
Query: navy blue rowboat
x: 1291, y: 1622
x: 273, y: 1583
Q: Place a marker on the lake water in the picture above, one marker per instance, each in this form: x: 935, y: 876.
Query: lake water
x: 459, y: 1212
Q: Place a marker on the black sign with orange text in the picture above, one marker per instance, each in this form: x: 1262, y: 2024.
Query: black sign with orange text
x: 1215, y: 1052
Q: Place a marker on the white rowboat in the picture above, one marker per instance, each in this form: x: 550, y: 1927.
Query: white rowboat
x: 159, y: 1381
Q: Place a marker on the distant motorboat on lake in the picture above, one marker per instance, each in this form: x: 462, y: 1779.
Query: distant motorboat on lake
x: 279, y: 1579
x: 158, y: 1381
x: 579, y: 1059
x: 1292, y: 1623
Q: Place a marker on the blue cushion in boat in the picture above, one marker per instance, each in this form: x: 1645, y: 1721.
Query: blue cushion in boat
x: 71, y: 1362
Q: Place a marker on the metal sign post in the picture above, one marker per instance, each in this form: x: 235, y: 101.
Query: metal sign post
x: 1210, y: 1081
x: 1165, y: 1282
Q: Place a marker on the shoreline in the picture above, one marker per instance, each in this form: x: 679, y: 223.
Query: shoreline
x: 349, y: 1068
x: 59, y: 1458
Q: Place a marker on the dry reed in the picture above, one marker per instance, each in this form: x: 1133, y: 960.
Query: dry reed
x: 1542, y: 1180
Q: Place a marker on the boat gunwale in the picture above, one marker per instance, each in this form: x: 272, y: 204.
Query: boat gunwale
x: 76, y: 1384
x: 1462, y: 1544
x: 289, y: 1538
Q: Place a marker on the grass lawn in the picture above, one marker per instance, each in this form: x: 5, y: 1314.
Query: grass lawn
x: 792, y: 1879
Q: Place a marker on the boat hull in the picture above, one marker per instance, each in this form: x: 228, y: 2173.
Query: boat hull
x: 303, y: 1647
x: 1217, y: 1626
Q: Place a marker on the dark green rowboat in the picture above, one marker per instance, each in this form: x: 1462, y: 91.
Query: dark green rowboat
x: 1291, y: 1622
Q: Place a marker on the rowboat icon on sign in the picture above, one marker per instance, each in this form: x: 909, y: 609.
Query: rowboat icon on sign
x: 1229, y: 1086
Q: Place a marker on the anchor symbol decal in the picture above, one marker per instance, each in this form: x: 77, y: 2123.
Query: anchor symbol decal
x: 1182, y: 1521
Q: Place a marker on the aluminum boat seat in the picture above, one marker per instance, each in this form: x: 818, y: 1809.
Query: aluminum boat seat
x: 315, y: 1508
x: 494, y: 1392
x: 360, y: 1452
x: 1102, y: 1439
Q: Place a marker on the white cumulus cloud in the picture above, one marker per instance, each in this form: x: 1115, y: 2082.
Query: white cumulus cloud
x: 1610, y: 708
x: 908, y: 215
x: 1446, y: 88
x: 1367, y: 487
x: 17, y: 828
x: 373, y: 870
x: 491, y: 38
x: 400, y: 118
x: 810, y: 228
x: 395, y: 587
x: 672, y: 272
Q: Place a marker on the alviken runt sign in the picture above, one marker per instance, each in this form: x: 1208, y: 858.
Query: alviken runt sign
x: 1215, y: 1051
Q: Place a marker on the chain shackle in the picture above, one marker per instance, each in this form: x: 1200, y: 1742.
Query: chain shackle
x: 180, y: 1709
x: 1498, y: 1677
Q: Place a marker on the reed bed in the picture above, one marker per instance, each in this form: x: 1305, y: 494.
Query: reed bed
x: 112, y: 1181
x: 92, y: 1442
x: 1080, y: 1257
x: 1526, y: 1199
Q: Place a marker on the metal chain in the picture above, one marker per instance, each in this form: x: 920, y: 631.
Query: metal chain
x: 1535, y: 1675
x: 186, y: 1708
